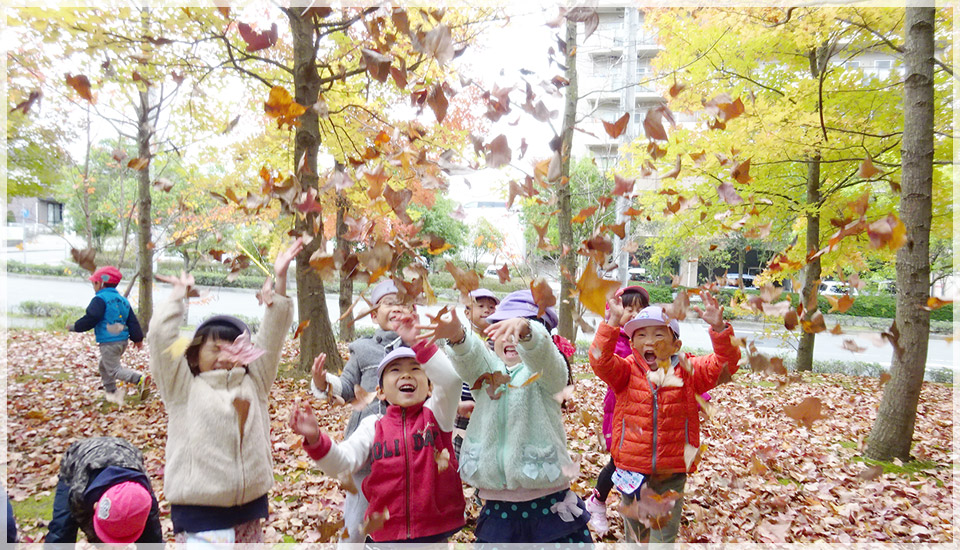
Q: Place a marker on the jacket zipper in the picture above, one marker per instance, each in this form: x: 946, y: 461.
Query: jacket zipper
x: 503, y: 429
x: 653, y: 388
x: 406, y: 467
x: 623, y: 431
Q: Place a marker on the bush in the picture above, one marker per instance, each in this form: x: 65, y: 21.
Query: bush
x: 51, y: 270
x: 57, y: 315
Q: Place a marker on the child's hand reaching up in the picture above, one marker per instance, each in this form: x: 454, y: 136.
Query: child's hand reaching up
x: 408, y: 329
x: 283, y: 262
x: 509, y: 330
x: 712, y: 313
x: 304, y: 422
x: 617, y: 315
x: 319, y: 373
x: 182, y: 285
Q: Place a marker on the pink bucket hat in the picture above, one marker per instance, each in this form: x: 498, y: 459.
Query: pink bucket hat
x: 652, y: 316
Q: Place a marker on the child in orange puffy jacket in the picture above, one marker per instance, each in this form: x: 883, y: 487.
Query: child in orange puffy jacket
x: 656, y: 421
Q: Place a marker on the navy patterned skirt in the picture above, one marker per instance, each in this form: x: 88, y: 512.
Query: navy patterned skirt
x: 533, y: 521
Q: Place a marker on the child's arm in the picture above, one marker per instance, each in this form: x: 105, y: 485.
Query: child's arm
x: 707, y: 368
x: 469, y: 354
x: 171, y: 372
x: 604, y: 361
x: 334, y: 459
x: 446, y: 384
x: 276, y: 322
x: 133, y: 327
x: 95, y: 310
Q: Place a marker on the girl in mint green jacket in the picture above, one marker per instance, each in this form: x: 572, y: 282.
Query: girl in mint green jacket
x: 515, y: 450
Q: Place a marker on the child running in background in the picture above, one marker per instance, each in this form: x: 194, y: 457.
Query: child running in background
x: 219, y: 466
x: 656, y: 417
x: 515, y: 451
x: 403, y: 448
x: 483, y: 303
x: 633, y: 298
x: 361, y: 369
x: 114, y: 324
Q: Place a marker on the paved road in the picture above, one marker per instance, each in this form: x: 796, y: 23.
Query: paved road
x: 829, y: 347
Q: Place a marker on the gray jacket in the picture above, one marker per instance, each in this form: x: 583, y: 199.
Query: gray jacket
x: 361, y: 368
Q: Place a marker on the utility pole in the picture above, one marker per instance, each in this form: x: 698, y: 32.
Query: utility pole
x: 628, y: 99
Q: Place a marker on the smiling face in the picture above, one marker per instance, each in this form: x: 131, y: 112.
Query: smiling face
x: 208, y: 357
x: 647, y: 341
x: 404, y: 383
x: 478, y: 314
x: 389, y: 311
x: 507, y: 352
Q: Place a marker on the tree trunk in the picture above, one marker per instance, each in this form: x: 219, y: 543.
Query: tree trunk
x: 144, y: 214
x: 318, y: 336
x: 346, y: 280
x: 84, y: 196
x: 892, y: 432
x: 568, y: 260
x: 811, y: 277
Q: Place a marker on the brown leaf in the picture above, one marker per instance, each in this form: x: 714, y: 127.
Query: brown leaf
x: 791, y: 319
x: 493, y: 380
x: 498, y: 152
x: 542, y: 295
x: 363, y: 398
x: 674, y: 172
x: 676, y: 88
x: 884, y: 378
x: 300, y: 328
x: 616, y: 128
x: 871, y: 473
x: 935, y: 303
x: 374, y: 522
x: 81, y: 84
x: 867, y: 169
x: 622, y: 186
x: 438, y: 102
x: 815, y: 324
x: 438, y: 43
x: 138, y: 164
x: 504, y: 274
x: 841, y: 304
x: 25, y: 105
x: 741, y: 172
x: 255, y: 40
x: 728, y: 194
x: 163, y: 184
x: 653, y: 125
x: 377, y: 64
x: 466, y: 281
x: 398, y: 201
x: 806, y: 412
x: 84, y: 258
x: 850, y: 344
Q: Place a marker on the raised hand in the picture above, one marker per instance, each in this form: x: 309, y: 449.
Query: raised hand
x: 319, y: 373
x: 182, y: 285
x: 283, y: 262
x: 712, y: 313
x: 304, y: 422
x: 439, y: 327
x: 408, y: 329
x: 617, y: 315
x: 509, y: 330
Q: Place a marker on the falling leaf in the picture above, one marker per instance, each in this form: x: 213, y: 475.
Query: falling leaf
x: 242, y: 350
x: 179, y: 346
x: 542, y: 295
x: 614, y: 129
x: 374, y: 522
x: 498, y: 152
x: 691, y: 455
x: 791, y: 319
x: 503, y: 274
x: 841, y: 304
x: 935, y: 303
x: 884, y: 378
x: 25, y: 105
x: 442, y: 458
x: 438, y: 102
x: 300, y: 328
x: 493, y: 381
x: 466, y: 281
x: 594, y: 291
x: 673, y: 173
x: 851, y: 345
x: 377, y: 64
x: 741, y: 172
x: 81, y: 84
x: 281, y: 106
x: 362, y: 399
x: 806, y: 412
x: 257, y: 40
x: 138, y: 164
x: 584, y: 214
x: 728, y: 194
x: 529, y: 381
x: 887, y: 232
x: 867, y: 169
x: 163, y: 184
x: 815, y: 324
x: 438, y: 43
x: 871, y: 473
x: 622, y: 186
x: 653, y: 126
x: 85, y: 258
x: 676, y: 88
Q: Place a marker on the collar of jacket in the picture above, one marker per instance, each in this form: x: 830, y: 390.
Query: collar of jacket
x: 386, y: 338
x: 395, y: 412
x: 224, y: 378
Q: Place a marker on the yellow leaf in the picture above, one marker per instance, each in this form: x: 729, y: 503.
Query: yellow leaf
x: 595, y: 291
x: 178, y: 347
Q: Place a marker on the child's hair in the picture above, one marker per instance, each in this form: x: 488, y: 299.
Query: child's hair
x: 632, y: 297
x: 110, y: 285
x: 206, y: 331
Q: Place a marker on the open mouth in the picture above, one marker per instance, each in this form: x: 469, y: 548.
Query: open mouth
x: 407, y: 387
x: 650, y: 357
x: 509, y: 350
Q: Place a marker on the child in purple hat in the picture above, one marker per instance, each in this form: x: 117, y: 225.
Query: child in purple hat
x: 515, y: 450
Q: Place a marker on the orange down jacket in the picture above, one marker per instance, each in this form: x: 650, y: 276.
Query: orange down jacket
x: 653, y: 425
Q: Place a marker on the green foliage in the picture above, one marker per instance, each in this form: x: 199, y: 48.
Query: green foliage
x: 35, y: 154
x: 438, y: 221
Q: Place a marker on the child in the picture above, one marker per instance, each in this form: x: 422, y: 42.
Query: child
x: 482, y: 304
x: 361, y: 369
x: 113, y: 323
x: 515, y: 451
x: 656, y: 417
x: 104, y: 490
x: 218, y: 458
x: 424, y: 497
x: 634, y: 298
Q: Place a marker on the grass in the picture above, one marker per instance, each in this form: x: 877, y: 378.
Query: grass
x: 38, y: 506
x: 20, y: 379
x: 913, y: 470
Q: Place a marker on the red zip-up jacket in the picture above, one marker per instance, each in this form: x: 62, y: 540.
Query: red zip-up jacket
x: 402, y: 445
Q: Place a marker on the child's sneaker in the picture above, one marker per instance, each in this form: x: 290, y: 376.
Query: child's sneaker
x: 143, y: 387
x: 598, y: 514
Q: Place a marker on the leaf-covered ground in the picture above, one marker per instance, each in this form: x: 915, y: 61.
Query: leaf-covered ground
x: 764, y: 477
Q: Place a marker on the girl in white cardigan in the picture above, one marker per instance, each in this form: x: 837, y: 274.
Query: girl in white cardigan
x: 218, y: 457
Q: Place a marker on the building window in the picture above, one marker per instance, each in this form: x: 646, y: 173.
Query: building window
x: 883, y: 63
x: 54, y: 213
x: 851, y: 65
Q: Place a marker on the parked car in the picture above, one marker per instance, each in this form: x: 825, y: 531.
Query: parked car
x: 733, y: 280
x: 836, y: 288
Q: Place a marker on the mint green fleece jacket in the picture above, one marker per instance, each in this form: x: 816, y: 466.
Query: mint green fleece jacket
x: 516, y: 442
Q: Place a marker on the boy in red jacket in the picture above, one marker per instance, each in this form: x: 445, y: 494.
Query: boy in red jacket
x: 656, y: 421
x: 413, y: 483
